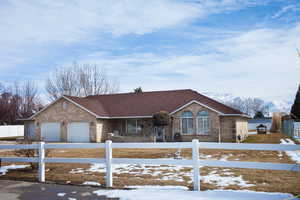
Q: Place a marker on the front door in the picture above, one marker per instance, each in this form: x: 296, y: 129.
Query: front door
x: 159, y: 133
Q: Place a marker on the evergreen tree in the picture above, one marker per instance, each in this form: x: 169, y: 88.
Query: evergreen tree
x: 258, y: 115
x: 295, y: 111
x: 138, y: 90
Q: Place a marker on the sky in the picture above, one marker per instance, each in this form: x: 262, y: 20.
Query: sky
x: 243, y: 47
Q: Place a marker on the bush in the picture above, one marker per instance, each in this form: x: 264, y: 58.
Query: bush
x: 161, y: 118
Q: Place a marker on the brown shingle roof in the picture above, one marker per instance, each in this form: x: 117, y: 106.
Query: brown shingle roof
x: 146, y: 103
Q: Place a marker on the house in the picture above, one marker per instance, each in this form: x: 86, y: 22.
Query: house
x: 128, y: 117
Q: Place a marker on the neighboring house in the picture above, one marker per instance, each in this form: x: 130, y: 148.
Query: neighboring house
x: 253, y: 123
x: 129, y: 117
x: 290, y: 126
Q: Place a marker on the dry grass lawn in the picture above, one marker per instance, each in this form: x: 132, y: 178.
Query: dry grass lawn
x: 262, y: 180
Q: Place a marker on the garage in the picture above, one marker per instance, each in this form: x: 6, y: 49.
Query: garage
x: 50, y: 131
x: 78, y: 132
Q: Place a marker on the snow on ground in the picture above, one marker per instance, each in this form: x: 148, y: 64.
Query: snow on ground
x: 294, y: 155
x: 4, y: 169
x: 172, y: 173
x: 182, y: 193
x: 224, y: 181
x: 61, y: 194
x: 91, y: 183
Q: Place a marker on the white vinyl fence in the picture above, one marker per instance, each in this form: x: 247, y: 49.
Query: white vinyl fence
x: 195, y: 162
x: 11, y: 131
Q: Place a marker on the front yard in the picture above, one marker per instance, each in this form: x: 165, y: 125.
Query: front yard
x: 211, y: 177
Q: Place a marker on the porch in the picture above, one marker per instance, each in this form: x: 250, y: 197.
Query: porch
x: 137, y: 130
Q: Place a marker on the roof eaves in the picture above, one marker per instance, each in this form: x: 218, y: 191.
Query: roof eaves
x: 237, y: 115
x: 131, y: 117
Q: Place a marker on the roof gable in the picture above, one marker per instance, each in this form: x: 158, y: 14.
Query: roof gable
x: 194, y: 101
x: 67, y: 99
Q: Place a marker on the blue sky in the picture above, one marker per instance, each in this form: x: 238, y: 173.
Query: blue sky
x: 243, y: 47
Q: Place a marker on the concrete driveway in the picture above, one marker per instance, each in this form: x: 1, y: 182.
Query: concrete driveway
x: 19, y: 190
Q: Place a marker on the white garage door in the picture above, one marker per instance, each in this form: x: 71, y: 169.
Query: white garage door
x: 50, y: 131
x: 78, y: 132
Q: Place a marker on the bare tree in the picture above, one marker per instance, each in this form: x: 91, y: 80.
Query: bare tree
x: 31, y: 102
x: 80, y: 80
x: 249, y: 105
x: 18, y: 101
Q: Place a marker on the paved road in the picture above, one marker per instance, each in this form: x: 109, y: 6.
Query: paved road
x: 19, y: 190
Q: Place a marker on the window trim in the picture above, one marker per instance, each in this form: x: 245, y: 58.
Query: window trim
x: 206, y: 118
x: 136, y: 127
x: 181, y: 125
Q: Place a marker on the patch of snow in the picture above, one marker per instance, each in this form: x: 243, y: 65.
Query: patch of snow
x: 286, y: 141
x: 225, y: 157
x: 167, y: 192
x: 224, y: 181
x: 4, y: 169
x: 61, y: 194
x: 70, y: 198
x: 294, y: 155
x: 91, y: 183
x: 158, y: 187
x: 77, y: 171
x: 203, y: 156
x: 290, y: 141
x: 171, y: 172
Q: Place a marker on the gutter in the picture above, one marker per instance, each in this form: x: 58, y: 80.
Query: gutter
x: 236, y: 115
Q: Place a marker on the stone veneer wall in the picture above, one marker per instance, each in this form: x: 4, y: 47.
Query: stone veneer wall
x: 231, y: 127
x: 242, y: 128
x: 72, y: 113
x: 195, y: 108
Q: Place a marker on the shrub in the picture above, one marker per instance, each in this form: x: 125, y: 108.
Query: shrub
x: 161, y: 118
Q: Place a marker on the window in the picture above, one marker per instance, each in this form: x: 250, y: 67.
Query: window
x: 64, y: 105
x: 133, y: 126
x: 187, y: 123
x: 203, y: 123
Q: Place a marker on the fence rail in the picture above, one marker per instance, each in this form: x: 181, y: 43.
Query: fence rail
x: 195, y: 162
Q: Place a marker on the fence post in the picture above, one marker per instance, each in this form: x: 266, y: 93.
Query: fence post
x: 108, y: 157
x: 42, y: 161
x: 195, y: 155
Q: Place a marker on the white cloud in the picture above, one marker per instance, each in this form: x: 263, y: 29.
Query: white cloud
x: 27, y: 27
x: 286, y: 9
x: 68, y: 21
x: 261, y: 63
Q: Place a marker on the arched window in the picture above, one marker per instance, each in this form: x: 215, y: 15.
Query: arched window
x: 187, y: 122
x: 203, y: 123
